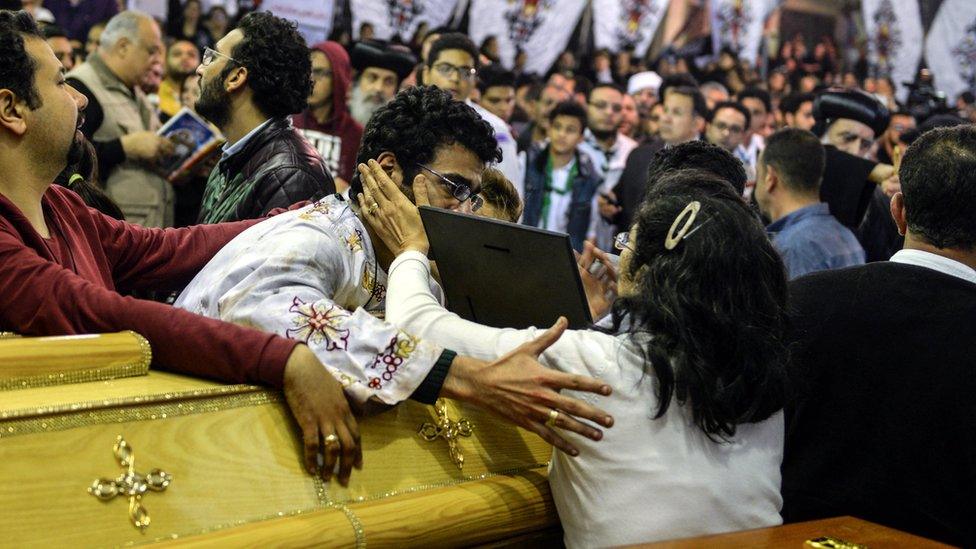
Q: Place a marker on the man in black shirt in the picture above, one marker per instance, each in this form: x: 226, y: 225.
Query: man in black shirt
x: 883, y: 426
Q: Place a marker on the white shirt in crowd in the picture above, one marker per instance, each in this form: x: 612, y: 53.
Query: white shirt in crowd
x: 609, y: 166
x: 560, y: 198
x: 648, y: 479
x: 935, y: 262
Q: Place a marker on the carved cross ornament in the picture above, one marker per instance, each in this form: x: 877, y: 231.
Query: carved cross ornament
x: 130, y: 484
x: 448, y: 430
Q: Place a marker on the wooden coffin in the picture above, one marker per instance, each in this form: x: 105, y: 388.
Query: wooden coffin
x: 222, y: 464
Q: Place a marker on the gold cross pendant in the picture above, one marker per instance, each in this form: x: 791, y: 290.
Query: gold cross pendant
x: 448, y: 430
x: 131, y: 484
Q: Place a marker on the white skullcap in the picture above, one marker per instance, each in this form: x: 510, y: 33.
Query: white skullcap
x: 641, y: 80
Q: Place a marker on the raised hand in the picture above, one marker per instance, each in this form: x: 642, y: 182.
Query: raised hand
x: 524, y: 392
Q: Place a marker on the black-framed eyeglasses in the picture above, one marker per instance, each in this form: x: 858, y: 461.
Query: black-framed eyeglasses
x: 460, y: 191
x: 446, y: 70
x: 209, y: 54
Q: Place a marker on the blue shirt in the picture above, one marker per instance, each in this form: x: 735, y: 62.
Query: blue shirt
x: 810, y: 239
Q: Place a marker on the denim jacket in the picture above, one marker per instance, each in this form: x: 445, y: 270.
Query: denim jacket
x: 581, y: 205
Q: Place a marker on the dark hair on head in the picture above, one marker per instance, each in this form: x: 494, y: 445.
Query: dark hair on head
x: 699, y: 105
x: 792, y: 102
x: 17, y: 67
x: 604, y: 85
x: 757, y: 93
x: 453, y: 41
x: 534, y: 92
x: 527, y: 79
x: 697, y: 154
x: 709, y: 316
x: 569, y: 108
x: 418, y: 121
x: 495, y: 75
x: 967, y: 97
x: 53, y: 31
x: 938, y: 181
x: 729, y: 105
x: 583, y: 85
x: 677, y: 80
x: 501, y: 194
x: 799, y: 158
x: 278, y: 65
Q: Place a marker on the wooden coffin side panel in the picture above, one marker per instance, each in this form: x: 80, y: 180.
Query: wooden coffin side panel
x: 235, y: 457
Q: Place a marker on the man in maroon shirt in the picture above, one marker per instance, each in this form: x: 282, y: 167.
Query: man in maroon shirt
x: 61, y: 265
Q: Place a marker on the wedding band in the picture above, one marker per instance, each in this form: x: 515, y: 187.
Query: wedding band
x: 553, y: 415
x: 373, y: 208
x: 331, y: 439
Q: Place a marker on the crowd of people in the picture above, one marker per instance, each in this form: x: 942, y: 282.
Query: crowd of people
x: 787, y: 288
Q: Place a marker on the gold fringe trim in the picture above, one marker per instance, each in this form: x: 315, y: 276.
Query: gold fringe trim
x: 139, y: 368
x: 141, y: 408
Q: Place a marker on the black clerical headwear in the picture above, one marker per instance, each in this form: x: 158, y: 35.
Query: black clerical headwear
x: 374, y: 53
x: 836, y: 103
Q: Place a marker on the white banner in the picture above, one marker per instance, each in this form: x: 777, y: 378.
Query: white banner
x: 314, y: 17
x: 894, y: 29
x: 399, y: 17
x: 738, y: 24
x: 627, y: 23
x: 950, y: 48
x: 540, y: 28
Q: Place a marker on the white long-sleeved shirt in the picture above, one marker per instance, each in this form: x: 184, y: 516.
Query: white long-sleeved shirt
x: 648, y: 479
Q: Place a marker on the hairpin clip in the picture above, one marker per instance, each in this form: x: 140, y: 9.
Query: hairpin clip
x: 691, y: 211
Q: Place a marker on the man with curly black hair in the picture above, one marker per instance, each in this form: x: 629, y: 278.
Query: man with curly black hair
x: 259, y: 74
x: 318, y: 273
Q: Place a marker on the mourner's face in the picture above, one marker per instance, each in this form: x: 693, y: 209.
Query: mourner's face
x: 630, y: 119
x: 215, y: 97
x: 500, y: 101
x: 63, y: 51
x: 321, y: 81
x: 604, y: 110
x: 565, y: 133
x: 54, y: 124
x: 453, y: 70
x: 757, y: 113
x: 803, y: 119
x: 457, y: 164
x: 727, y: 129
x: 548, y: 99
x: 378, y: 83
x: 182, y: 59
x: 851, y: 136
x: 142, y: 54
x: 678, y: 122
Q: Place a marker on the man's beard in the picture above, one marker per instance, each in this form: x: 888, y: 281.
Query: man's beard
x: 362, y: 106
x: 602, y: 135
x: 214, y: 103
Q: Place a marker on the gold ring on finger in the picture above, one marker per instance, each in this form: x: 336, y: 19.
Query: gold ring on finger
x: 553, y: 416
x: 331, y: 439
x: 372, y: 209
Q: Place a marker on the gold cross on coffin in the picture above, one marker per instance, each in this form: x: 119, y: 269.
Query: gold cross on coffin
x: 131, y: 484
x: 448, y: 430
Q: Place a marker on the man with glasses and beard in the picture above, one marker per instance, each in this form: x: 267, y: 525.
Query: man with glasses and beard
x: 120, y: 121
x: 259, y: 74
x: 318, y: 273
x: 380, y: 68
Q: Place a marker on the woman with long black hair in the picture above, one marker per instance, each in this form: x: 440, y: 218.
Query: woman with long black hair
x: 696, y: 358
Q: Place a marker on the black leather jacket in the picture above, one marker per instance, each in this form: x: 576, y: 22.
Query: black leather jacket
x: 275, y: 169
